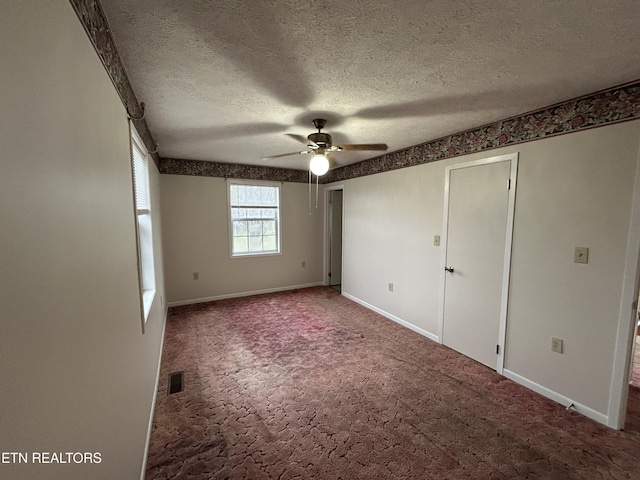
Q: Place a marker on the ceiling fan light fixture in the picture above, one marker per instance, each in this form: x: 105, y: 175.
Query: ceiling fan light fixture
x: 319, y: 164
x: 319, y: 144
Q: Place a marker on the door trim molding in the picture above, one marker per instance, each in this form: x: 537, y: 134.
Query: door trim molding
x: 627, y: 316
x: 327, y: 232
x: 504, y: 301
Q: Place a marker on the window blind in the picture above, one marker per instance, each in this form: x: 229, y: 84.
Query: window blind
x: 140, y: 176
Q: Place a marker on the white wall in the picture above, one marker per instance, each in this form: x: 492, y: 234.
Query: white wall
x: 573, y: 190
x: 389, y: 223
x: 196, y: 239
x: 78, y: 374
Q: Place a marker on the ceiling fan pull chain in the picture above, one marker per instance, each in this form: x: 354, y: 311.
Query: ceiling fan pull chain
x: 309, y: 192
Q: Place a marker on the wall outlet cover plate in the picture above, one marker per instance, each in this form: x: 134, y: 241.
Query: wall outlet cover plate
x: 556, y: 345
x: 581, y: 255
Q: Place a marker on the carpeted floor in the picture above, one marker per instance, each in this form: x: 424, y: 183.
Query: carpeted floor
x: 309, y: 385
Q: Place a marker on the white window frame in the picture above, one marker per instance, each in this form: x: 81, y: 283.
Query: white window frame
x: 256, y: 183
x: 144, y: 228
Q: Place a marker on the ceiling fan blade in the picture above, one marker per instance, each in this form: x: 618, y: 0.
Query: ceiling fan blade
x: 364, y: 146
x: 304, y: 152
x: 302, y: 139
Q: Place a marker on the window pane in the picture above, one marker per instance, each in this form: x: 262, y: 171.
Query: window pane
x: 140, y: 167
x: 253, y: 196
x: 268, y: 213
x: 269, y: 227
x: 240, y: 244
x: 254, y: 213
x: 255, y: 228
x: 240, y: 228
x: 269, y: 242
x: 242, y: 195
x: 255, y: 244
x: 269, y: 196
x: 234, y: 195
x: 238, y: 213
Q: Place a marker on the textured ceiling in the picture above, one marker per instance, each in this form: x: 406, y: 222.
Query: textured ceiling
x: 225, y: 80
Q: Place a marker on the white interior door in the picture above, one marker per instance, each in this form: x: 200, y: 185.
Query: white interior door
x: 478, y: 220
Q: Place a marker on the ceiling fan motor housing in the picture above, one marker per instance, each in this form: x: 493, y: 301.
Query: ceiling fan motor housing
x: 321, y: 139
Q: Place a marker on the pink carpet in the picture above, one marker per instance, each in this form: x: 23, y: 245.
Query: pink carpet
x: 309, y: 385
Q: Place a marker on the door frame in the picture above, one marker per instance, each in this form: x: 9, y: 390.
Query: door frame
x: 627, y: 317
x: 502, y: 331
x: 327, y: 233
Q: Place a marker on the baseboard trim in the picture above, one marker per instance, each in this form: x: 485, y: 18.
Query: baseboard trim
x: 390, y: 316
x: 539, y: 389
x: 556, y: 397
x: 145, y: 456
x: 242, y: 294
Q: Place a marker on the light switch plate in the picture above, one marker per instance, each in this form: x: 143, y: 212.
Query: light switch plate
x: 581, y: 255
x: 436, y: 240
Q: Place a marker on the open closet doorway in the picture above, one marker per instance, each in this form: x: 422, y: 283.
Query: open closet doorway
x: 335, y: 205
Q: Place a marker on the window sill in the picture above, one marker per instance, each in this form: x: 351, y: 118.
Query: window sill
x: 147, y: 300
x: 254, y: 255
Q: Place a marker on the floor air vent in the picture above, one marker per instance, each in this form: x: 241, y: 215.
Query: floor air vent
x: 176, y: 382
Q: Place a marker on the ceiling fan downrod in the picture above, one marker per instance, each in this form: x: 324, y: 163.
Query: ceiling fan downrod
x: 319, y: 123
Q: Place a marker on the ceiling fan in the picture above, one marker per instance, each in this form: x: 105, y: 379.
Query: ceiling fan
x: 320, y: 145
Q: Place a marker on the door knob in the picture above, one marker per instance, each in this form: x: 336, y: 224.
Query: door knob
x: 448, y: 269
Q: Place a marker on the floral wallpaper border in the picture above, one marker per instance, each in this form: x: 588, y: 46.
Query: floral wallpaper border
x: 230, y: 170
x: 610, y: 106
x: 91, y: 16
x: 603, y: 108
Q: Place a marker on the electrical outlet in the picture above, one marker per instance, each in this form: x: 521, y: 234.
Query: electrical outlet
x: 196, y: 275
x: 581, y: 255
x: 391, y: 287
x: 556, y: 344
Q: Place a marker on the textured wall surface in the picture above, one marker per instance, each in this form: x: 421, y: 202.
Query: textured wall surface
x: 90, y: 14
x: 195, y: 218
x: 78, y: 372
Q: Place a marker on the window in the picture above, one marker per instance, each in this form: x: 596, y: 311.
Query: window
x: 255, y: 218
x: 140, y: 159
